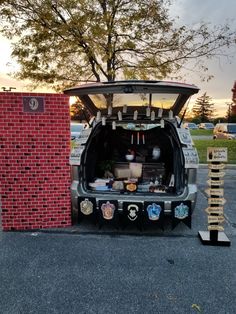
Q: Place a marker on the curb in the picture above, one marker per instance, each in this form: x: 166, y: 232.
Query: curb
x: 227, y: 166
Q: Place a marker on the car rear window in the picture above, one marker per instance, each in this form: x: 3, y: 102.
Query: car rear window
x: 76, y: 127
x: 164, y: 101
x: 232, y: 128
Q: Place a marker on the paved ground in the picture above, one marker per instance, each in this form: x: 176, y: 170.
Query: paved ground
x: 82, y: 271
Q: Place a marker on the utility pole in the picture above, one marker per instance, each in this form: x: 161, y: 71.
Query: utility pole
x: 9, y: 89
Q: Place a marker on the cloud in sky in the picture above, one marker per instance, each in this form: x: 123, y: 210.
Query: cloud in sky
x: 190, y: 12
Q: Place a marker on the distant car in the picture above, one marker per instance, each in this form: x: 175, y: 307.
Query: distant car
x: 225, y: 131
x: 206, y: 126
x: 190, y: 125
x: 76, y: 129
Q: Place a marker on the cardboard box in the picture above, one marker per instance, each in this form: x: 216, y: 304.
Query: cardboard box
x: 122, y: 172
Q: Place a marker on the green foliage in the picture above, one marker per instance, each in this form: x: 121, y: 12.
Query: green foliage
x: 231, y: 113
x: 196, y: 120
x: 219, y: 120
x: 201, y: 146
x: 203, y: 108
x: 79, y: 112
x: 59, y: 43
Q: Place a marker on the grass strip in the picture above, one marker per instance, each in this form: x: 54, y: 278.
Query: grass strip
x: 201, y: 146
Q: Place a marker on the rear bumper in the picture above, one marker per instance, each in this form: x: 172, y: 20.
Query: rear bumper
x: 189, y: 194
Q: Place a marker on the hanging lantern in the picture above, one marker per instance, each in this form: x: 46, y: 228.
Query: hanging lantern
x: 98, y: 117
x: 103, y: 121
x: 153, y: 115
x: 119, y: 115
x: 160, y: 112
x: 148, y: 111
x: 109, y: 111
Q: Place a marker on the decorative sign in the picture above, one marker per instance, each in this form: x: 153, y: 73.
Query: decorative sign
x: 215, y: 182
x: 219, y: 154
x: 216, y: 167
x: 185, y: 136
x: 75, y: 155
x: 191, y: 157
x: 214, y: 200
x: 77, y: 147
x: 219, y: 174
x: 215, y: 228
x: 33, y: 104
x: 215, y: 219
x: 215, y: 210
x: 214, y: 191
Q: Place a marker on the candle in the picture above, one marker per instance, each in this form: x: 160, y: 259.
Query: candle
x: 143, y: 139
x: 135, y: 114
x: 171, y: 114
x: 109, y: 110
x: 119, y: 115
x: 103, y: 121
x: 160, y: 112
x: 113, y: 125
x: 148, y: 111
x: 152, y: 115
x: 138, y: 138
x: 125, y: 109
x: 132, y: 139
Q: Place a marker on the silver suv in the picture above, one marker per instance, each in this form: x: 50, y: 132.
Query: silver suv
x: 138, y: 160
x: 225, y: 131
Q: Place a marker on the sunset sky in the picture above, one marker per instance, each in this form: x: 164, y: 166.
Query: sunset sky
x: 190, y: 12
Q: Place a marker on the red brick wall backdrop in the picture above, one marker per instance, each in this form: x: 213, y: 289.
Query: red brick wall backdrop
x: 34, y: 161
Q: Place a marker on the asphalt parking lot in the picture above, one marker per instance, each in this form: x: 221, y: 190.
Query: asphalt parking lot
x: 86, y: 270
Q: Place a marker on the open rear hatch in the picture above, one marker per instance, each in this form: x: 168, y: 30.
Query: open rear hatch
x: 134, y: 145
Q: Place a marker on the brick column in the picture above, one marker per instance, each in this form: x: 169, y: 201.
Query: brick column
x: 34, y: 160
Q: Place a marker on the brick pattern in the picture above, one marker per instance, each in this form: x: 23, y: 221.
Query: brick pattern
x: 34, y: 163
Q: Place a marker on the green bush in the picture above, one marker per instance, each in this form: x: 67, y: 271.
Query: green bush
x: 201, y: 146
